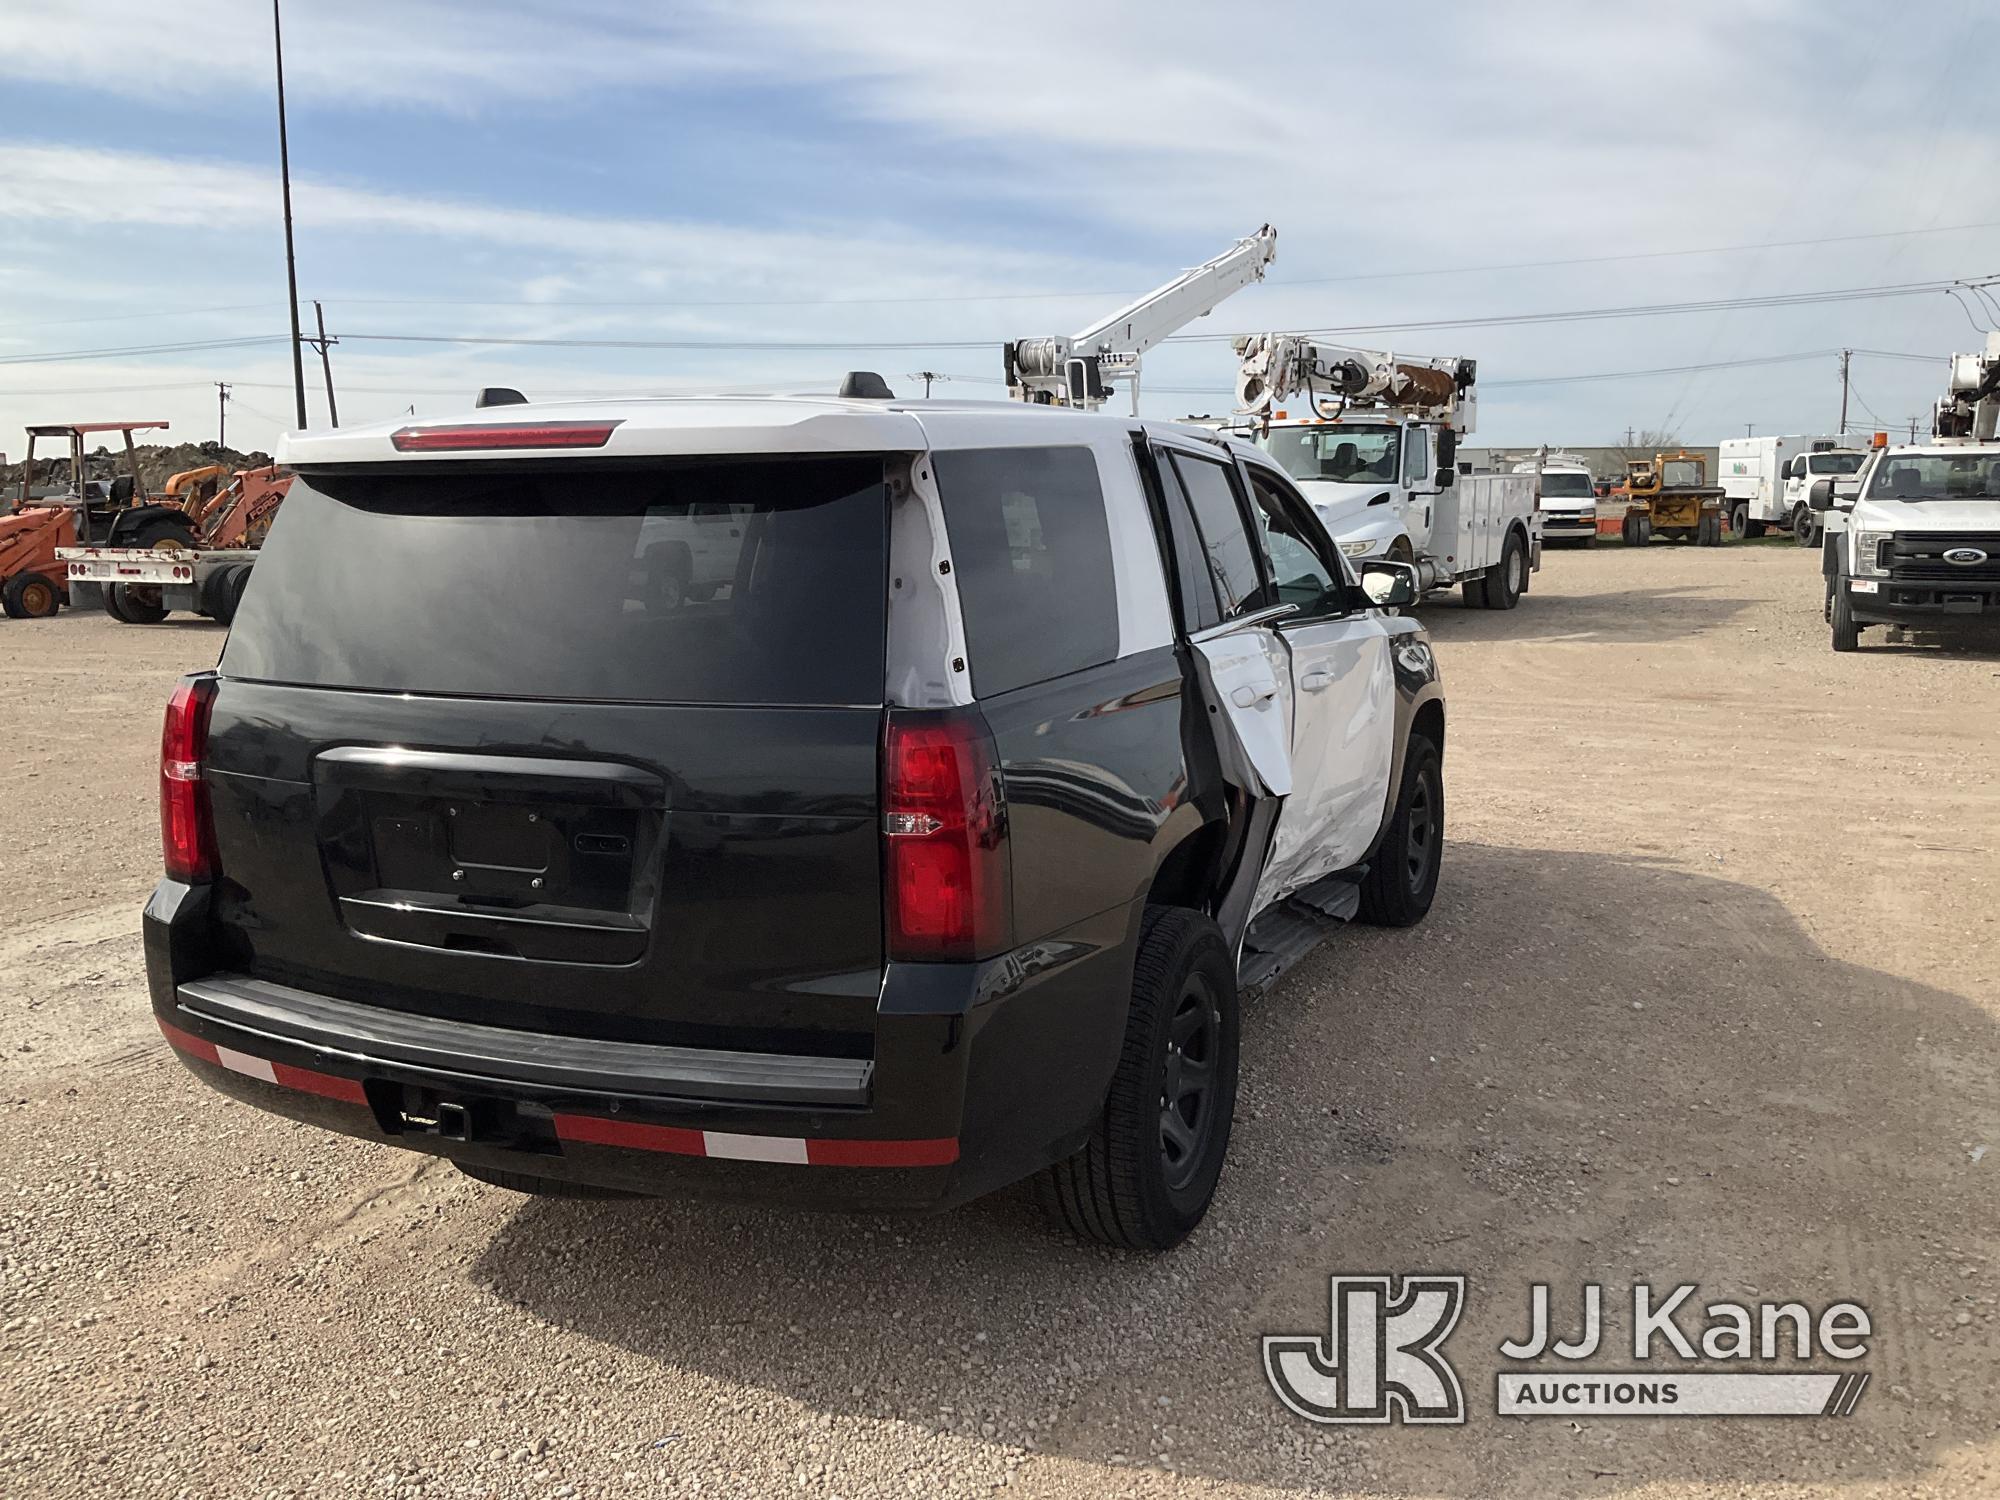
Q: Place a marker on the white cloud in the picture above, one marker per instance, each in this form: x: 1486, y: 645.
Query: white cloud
x: 427, y: 54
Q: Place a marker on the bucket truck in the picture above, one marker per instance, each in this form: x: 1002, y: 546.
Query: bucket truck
x: 1079, y: 369
x: 1372, y: 440
x: 1913, y: 539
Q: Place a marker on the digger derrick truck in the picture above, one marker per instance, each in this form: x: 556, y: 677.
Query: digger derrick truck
x: 1913, y: 539
x: 206, y: 572
x: 1372, y: 439
x: 1080, y: 369
x: 37, y: 527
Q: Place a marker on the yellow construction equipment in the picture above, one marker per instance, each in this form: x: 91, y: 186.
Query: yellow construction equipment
x: 1669, y: 495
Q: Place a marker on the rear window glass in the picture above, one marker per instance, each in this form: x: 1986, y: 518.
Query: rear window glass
x: 703, y: 582
x: 1031, y: 551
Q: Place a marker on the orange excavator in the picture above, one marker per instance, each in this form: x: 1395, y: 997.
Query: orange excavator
x: 81, y: 511
x: 226, y: 517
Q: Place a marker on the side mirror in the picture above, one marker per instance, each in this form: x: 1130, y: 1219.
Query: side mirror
x: 1389, y: 584
x: 1820, y: 496
x: 1447, y: 477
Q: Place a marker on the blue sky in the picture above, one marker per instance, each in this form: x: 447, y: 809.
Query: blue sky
x: 904, y: 173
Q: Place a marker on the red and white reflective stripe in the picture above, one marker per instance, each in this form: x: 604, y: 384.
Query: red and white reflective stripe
x: 326, y: 1085
x: 595, y: 1130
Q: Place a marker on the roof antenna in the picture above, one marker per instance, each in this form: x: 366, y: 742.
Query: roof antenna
x: 500, y: 395
x: 866, y: 385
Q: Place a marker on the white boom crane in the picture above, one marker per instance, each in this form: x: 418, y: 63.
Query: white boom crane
x: 1970, y: 407
x: 1274, y: 367
x: 1079, y: 370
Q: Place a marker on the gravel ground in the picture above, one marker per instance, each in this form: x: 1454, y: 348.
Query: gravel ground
x: 1709, y: 995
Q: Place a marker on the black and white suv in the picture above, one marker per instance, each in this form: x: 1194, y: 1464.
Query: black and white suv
x: 908, y: 854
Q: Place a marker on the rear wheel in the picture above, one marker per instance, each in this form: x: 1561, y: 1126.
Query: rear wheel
x: 135, y: 603
x: 1739, y: 518
x: 540, y: 1187
x: 1508, y: 579
x: 30, y: 596
x: 1147, y: 1174
x: 1402, y: 878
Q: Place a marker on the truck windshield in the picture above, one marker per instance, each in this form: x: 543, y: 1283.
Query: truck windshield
x: 1936, y: 476
x: 1356, y: 455
x: 1680, y: 472
x: 1567, y: 486
x: 1834, y: 463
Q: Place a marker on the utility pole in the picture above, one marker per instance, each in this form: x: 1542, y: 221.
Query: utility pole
x: 1913, y: 430
x: 221, y: 414
x: 291, y: 260
x: 325, y: 361
x: 1747, y: 426
x: 1845, y: 356
x: 927, y: 376
x: 1628, y: 437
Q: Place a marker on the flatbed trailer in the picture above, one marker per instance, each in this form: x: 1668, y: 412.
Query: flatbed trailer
x: 197, y: 581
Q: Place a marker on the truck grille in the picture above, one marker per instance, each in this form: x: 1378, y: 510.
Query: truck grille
x: 1919, y: 557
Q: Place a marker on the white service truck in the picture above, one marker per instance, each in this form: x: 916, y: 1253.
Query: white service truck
x: 1765, y: 481
x: 1373, y: 443
x: 1913, y: 539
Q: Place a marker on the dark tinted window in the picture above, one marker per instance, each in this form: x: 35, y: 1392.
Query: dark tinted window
x: 1302, y: 570
x: 1232, y: 560
x: 1199, y: 607
x: 1031, y: 551
x: 706, y: 582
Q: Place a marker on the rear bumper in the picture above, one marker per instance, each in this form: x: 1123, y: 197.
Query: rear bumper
x: 981, y: 1074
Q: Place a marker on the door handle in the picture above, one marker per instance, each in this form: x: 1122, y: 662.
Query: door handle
x: 1249, y: 697
x: 1316, y: 682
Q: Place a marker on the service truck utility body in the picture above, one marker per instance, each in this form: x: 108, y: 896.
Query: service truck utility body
x: 843, y: 883
x: 1765, y: 480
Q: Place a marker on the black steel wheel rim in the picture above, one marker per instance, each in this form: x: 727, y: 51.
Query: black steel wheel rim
x: 1420, y: 842
x: 1187, y: 1086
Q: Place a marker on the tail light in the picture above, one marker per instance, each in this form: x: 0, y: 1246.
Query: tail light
x: 946, y: 871
x: 187, y: 832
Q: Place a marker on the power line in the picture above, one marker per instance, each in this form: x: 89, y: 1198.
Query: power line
x: 1052, y: 296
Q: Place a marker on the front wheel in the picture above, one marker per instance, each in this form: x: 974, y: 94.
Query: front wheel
x: 30, y: 596
x: 1846, y: 629
x: 1148, y: 1172
x: 1805, y: 527
x: 1402, y: 878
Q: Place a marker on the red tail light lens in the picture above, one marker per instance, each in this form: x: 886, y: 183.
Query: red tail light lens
x: 946, y: 872
x: 187, y: 833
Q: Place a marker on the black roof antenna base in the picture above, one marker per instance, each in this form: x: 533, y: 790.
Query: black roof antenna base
x: 866, y: 385
x: 500, y: 395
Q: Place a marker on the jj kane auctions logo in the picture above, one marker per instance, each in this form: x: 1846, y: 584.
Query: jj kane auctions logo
x: 1383, y: 1358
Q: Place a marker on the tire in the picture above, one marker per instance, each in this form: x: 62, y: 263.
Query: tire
x: 1507, y: 580
x: 1804, y: 531
x: 540, y: 1187
x: 1644, y: 530
x: 1136, y: 1184
x: 225, y: 592
x: 1635, y: 530
x: 1739, y: 518
x: 135, y: 604
x: 1402, y: 877
x: 1846, y: 630
x: 31, y: 596
x: 1709, y: 532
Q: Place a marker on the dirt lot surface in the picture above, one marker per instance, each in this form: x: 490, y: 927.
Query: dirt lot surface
x: 1710, y: 995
